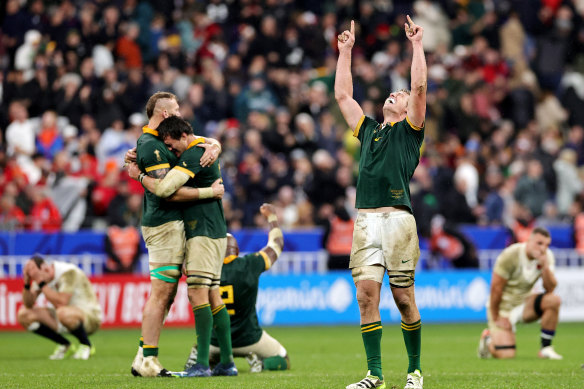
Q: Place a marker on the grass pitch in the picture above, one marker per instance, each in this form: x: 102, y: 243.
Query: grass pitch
x: 321, y: 357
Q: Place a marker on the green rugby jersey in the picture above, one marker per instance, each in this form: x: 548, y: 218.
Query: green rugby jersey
x: 152, y: 154
x: 239, y: 290
x: 389, y: 156
x: 203, y: 217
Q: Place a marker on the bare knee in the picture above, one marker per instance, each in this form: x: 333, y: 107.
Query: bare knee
x: 25, y: 316
x: 403, y: 301
x: 552, y: 301
x: 367, y: 299
x: 68, y: 317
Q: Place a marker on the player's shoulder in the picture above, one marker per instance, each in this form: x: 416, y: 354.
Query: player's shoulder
x: 512, y: 251
x: 148, y: 142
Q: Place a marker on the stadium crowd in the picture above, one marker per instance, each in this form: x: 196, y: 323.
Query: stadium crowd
x: 504, y: 138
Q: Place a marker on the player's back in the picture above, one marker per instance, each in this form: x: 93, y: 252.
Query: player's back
x: 203, y: 217
x: 153, y: 155
x: 239, y: 290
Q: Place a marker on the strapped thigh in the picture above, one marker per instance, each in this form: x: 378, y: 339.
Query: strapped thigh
x: 199, y: 280
x: 166, y: 273
x: 401, y: 279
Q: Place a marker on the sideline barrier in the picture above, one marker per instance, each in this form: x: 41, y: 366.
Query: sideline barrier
x: 311, y: 299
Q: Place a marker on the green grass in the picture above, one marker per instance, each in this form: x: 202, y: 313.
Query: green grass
x: 321, y: 357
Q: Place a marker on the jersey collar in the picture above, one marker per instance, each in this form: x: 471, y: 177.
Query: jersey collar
x: 195, y: 142
x: 148, y: 130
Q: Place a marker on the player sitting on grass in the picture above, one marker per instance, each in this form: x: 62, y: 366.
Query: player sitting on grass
x: 75, y: 306
x: 239, y: 289
x: 516, y: 271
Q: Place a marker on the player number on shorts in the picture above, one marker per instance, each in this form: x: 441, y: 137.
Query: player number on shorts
x: 227, y: 296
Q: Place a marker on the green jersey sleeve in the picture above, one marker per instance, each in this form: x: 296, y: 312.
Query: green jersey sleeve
x: 365, y: 124
x: 153, y: 155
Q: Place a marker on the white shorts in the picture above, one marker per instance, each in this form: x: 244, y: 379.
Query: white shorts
x: 515, y: 316
x: 387, y: 240
x: 264, y: 348
x: 165, y: 243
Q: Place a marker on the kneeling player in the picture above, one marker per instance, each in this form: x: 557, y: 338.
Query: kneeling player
x: 516, y: 270
x: 239, y: 288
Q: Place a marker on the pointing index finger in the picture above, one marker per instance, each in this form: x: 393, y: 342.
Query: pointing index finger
x: 352, y: 27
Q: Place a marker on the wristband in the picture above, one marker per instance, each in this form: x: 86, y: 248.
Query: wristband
x: 205, y: 193
x: 42, y: 284
x: 27, y: 286
x: 272, y: 218
x: 141, y: 177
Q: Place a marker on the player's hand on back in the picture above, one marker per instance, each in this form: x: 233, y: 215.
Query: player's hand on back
x: 218, y: 189
x: 210, y: 155
x: 130, y: 156
x: 346, y: 39
x: 133, y: 170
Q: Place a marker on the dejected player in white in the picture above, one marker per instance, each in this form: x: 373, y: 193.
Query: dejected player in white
x: 516, y: 271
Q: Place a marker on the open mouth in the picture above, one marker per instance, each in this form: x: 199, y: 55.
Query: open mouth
x: 391, y: 100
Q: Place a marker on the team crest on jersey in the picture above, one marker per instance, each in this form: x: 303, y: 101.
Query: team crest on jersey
x: 192, y: 224
x: 396, y: 193
x: 184, y: 164
x: 157, y: 153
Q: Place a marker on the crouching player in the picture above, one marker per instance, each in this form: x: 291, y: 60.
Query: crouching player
x: 516, y: 271
x: 75, y: 306
x: 239, y: 290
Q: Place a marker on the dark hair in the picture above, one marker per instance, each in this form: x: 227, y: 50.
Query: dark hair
x: 174, y: 127
x: 542, y: 231
x: 153, y: 100
x: 38, y: 260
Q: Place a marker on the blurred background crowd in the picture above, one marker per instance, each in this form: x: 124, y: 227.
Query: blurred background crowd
x: 505, y: 120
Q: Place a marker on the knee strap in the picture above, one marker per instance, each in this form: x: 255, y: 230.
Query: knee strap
x: 199, y: 281
x: 170, y: 273
x: 507, y: 347
x: 400, y: 280
x: 537, y: 304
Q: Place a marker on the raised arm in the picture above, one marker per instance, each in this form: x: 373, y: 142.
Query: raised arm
x: 275, y: 238
x: 350, y: 109
x: 419, y: 75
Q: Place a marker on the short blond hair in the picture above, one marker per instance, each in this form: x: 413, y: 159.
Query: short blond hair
x: 153, y: 100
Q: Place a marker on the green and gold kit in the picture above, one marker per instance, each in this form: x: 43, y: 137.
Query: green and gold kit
x: 152, y: 154
x: 389, y: 155
x: 203, y: 217
x: 239, y: 290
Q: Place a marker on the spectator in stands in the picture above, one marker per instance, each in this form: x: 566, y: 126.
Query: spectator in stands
x: 451, y: 244
x: 123, y: 248
x: 44, y: 215
x: 569, y: 183
x: 480, y: 84
x: 49, y: 140
x: 11, y: 216
x: 531, y: 191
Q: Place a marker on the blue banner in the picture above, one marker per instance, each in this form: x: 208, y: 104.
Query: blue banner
x: 330, y: 298
x: 92, y: 242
